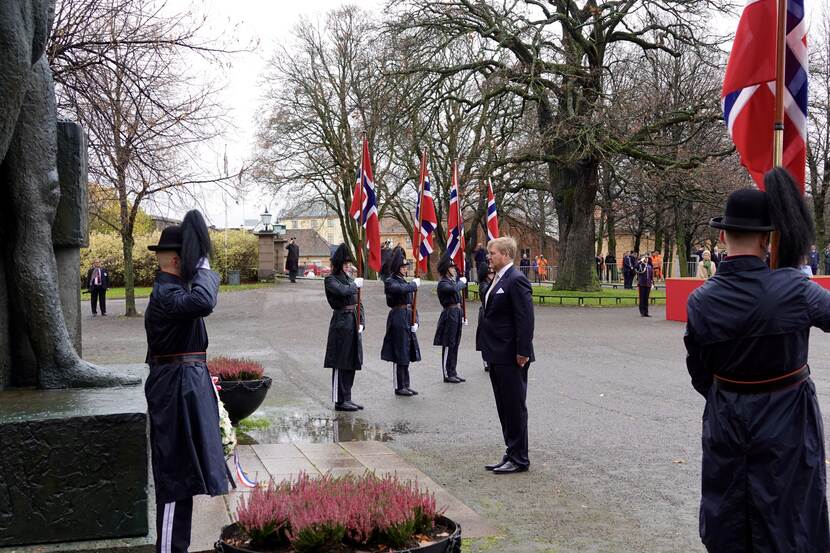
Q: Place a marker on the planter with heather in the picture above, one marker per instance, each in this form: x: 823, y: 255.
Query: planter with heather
x: 244, y: 385
x: 340, y: 515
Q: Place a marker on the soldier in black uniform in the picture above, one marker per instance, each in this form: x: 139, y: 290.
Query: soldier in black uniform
x: 448, y: 333
x: 400, y: 344
x: 344, y: 349
x: 763, y: 470
x: 185, y: 439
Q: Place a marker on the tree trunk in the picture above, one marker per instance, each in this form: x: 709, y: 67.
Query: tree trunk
x: 127, y: 243
x: 600, y: 231
x: 612, y: 234
x: 574, y: 190
x: 638, y: 236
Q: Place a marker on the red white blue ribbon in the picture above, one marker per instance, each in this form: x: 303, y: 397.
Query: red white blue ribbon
x: 240, y: 474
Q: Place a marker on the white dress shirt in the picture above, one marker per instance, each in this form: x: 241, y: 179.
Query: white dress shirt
x: 496, y: 279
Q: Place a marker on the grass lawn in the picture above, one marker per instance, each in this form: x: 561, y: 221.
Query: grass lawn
x: 603, y: 298
x: 144, y: 291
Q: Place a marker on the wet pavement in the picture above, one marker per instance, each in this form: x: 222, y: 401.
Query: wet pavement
x: 614, y: 422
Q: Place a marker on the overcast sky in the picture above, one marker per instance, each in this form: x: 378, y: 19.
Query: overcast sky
x: 268, y: 23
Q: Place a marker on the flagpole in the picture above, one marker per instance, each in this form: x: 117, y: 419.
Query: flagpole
x: 461, y: 235
x: 361, y: 230
x: 418, y: 232
x: 778, y: 129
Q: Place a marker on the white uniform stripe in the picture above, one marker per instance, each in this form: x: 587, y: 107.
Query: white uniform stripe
x: 167, y: 528
x: 444, y: 360
x: 394, y: 376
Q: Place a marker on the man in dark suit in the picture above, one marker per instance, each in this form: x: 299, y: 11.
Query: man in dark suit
x: 97, y: 282
x: 506, y: 341
x: 292, y: 260
x: 629, y: 264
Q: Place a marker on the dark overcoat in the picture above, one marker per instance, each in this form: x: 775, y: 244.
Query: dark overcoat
x: 507, y: 323
x: 344, y: 347
x: 763, y: 470
x: 292, y: 260
x: 400, y: 344
x: 448, y: 332
x: 185, y: 439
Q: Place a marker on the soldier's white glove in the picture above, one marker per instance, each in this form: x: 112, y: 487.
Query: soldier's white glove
x: 465, y: 322
x: 204, y: 263
x: 360, y: 329
x: 414, y: 328
x: 417, y: 282
x: 358, y: 282
x: 463, y: 280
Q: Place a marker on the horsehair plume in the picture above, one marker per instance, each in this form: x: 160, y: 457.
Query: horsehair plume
x: 790, y: 216
x: 195, y: 242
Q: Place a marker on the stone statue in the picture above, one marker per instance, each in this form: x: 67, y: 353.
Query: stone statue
x: 29, y: 197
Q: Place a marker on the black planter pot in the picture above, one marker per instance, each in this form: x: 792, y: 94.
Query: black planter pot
x: 450, y: 544
x: 243, y: 397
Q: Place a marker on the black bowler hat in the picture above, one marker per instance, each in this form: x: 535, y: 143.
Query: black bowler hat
x: 170, y: 239
x: 746, y: 210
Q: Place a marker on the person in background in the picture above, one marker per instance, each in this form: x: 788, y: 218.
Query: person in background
x: 485, y: 278
x: 598, y: 264
x: 827, y: 259
x: 543, y: 268
x: 813, y: 259
x: 480, y: 258
x: 717, y: 256
x: 97, y: 282
x: 344, y: 346
x: 629, y: 270
x: 400, y: 343
x: 645, y: 282
x: 657, y: 263
x: 706, y: 267
x: 524, y: 266
x: 292, y: 260
x: 451, y: 320
x: 610, y: 267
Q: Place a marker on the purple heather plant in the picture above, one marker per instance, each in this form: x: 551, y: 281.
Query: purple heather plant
x: 312, y: 514
x: 233, y: 368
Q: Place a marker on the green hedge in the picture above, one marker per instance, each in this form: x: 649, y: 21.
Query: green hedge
x: 241, y: 254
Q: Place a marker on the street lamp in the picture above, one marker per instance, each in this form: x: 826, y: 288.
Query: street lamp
x: 266, y: 219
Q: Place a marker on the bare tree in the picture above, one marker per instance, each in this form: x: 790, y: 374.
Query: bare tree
x: 121, y: 71
x: 561, y: 53
x: 818, y: 131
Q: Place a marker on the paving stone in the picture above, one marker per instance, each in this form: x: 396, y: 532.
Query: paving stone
x: 367, y: 448
x: 210, y: 515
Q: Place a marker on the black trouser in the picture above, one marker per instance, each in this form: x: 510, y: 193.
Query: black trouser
x: 98, y: 295
x: 628, y: 280
x: 449, y: 360
x: 400, y: 376
x: 510, y: 390
x: 341, y: 385
x: 644, y: 293
x: 292, y: 275
x: 173, y: 522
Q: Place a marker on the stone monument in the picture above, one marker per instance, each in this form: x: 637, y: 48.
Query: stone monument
x: 74, y: 463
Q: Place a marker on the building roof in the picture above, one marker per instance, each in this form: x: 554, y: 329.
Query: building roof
x: 310, y: 242
x: 306, y: 210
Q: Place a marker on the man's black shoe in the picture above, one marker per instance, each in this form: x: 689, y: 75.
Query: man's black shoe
x: 103, y: 314
x: 411, y: 391
x: 359, y: 406
x: 452, y: 379
x: 494, y: 465
x: 461, y: 379
x: 509, y: 468
x: 404, y: 392
x: 345, y: 406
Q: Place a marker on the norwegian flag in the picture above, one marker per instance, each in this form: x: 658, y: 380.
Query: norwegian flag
x: 425, y: 213
x: 749, y: 89
x: 455, y: 224
x: 492, y: 216
x: 365, y: 196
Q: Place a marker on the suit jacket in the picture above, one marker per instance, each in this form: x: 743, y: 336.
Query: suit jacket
x: 507, y: 324
x: 105, y: 279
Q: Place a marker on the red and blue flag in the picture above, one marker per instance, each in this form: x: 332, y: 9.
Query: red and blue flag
x: 748, y: 94
x: 492, y: 216
x: 365, y: 195
x: 455, y: 225
x: 425, y: 213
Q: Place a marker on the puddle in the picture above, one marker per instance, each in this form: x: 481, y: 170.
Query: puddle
x: 319, y: 429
